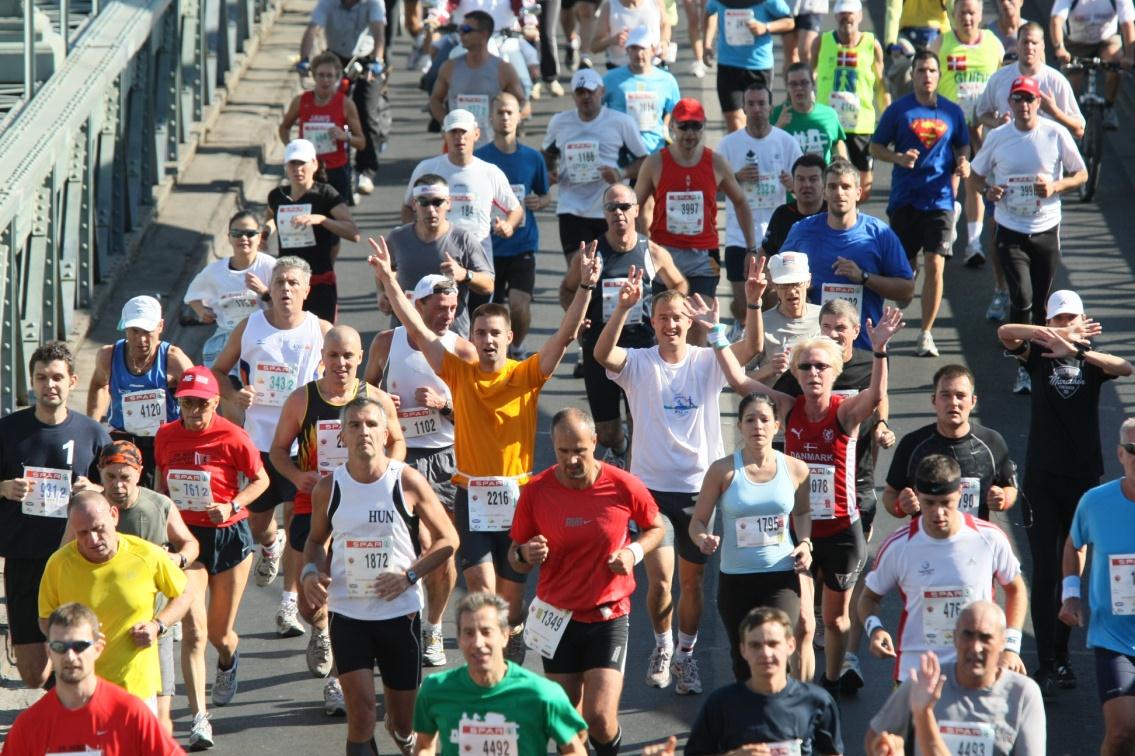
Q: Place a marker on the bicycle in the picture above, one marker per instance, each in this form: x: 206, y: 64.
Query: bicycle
x: 1092, y: 105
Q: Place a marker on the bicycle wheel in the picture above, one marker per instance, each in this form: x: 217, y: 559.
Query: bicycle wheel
x: 1091, y: 146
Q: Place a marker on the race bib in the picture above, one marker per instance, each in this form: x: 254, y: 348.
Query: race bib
x: 643, y: 108
x: 610, y: 290
x: 967, y: 738
x: 488, y: 738
x: 331, y: 452
x: 273, y: 382
x: 737, y: 32
x: 851, y: 292
x: 292, y: 236
x: 1020, y: 195
x: 764, y: 193
x: 761, y: 530
x: 1121, y: 571
x: 969, y: 92
x: 545, y: 627
x: 235, y: 306
x: 191, y: 490
x: 971, y: 496
x: 821, y: 494
x: 463, y: 210
x: 685, y: 213
x: 51, y: 490
x: 941, y: 608
x: 519, y: 192
x: 846, y: 107
x: 478, y: 105
x: 492, y: 503
x: 785, y: 748
x: 418, y: 422
x: 366, y: 560
x: 582, y: 161
x: 319, y: 134
x: 143, y: 412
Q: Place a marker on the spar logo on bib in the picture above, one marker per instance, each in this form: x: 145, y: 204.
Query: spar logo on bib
x: 1066, y: 379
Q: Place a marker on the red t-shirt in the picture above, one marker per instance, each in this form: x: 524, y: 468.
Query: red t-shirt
x: 112, y: 723
x: 830, y: 455
x: 584, y: 528
x: 681, y: 189
x: 224, y: 450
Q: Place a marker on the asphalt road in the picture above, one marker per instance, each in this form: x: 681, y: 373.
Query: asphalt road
x: 278, y: 708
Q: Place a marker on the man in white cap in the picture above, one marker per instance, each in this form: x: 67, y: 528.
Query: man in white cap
x: 586, y: 150
x: 645, y: 93
x: 433, y: 245
x: 472, y: 80
x: 1022, y: 168
x: 131, y: 381
x: 1068, y: 375
x: 475, y: 186
x: 794, y: 317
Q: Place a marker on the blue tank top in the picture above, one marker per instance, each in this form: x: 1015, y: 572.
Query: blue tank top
x: 755, y: 518
x: 123, y: 381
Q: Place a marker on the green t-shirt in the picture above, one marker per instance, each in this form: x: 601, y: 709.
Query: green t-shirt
x: 515, y: 717
x: 817, y: 131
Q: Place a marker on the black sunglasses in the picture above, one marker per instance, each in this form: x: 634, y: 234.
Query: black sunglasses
x: 808, y: 367
x: 1129, y: 448
x: 467, y: 29
x: 1022, y: 98
x: 62, y: 647
x: 437, y: 202
x: 691, y: 126
x: 237, y: 233
x: 620, y: 206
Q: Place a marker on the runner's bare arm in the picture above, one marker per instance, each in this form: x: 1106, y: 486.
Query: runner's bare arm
x: 98, y: 390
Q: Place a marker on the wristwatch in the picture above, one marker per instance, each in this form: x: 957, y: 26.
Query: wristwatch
x: 866, y: 276
x: 411, y: 576
x: 162, y: 627
x: 468, y: 275
x: 235, y: 506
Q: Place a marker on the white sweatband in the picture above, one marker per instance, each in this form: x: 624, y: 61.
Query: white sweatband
x: 635, y: 548
x: 309, y: 569
x: 430, y: 190
x: 1071, y: 588
x: 872, y: 624
x: 1013, y: 640
x: 717, y: 337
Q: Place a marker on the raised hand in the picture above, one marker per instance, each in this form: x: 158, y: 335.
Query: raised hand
x: 380, y: 259
x: 590, y: 266
x: 699, y: 312
x: 926, y: 683
x: 756, y: 280
x: 889, y: 324
x: 631, y: 292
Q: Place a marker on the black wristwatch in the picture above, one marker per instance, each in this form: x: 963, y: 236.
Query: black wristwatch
x: 468, y: 275
x: 520, y: 555
x: 447, y: 410
x: 866, y: 276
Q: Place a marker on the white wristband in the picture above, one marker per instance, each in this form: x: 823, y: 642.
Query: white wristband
x: 1013, y: 640
x: 872, y: 624
x: 635, y: 548
x: 1071, y: 588
x: 309, y: 569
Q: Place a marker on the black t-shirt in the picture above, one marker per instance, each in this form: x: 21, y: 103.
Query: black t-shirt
x: 982, y: 454
x: 1064, y: 436
x: 856, y: 377
x: 735, y: 716
x: 782, y: 220
x: 322, y: 198
x: 72, y: 445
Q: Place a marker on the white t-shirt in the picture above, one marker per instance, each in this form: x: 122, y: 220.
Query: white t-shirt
x: 995, y: 96
x: 584, y: 147
x: 474, y: 190
x: 772, y: 154
x: 938, y: 577
x: 1093, y: 21
x: 222, y: 289
x: 676, y: 415
x: 1013, y: 158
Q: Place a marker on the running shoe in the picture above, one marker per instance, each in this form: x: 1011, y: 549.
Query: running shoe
x: 1023, y: 384
x: 658, y: 668
x: 926, y: 346
x: 687, y: 680
x: 288, y: 623
x: 333, y: 703
x: 225, y: 684
x: 201, y: 734
x: 366, y: 184
x: 267, y: 565
x: 850, y: 676
x: 517, y: 649
x: 697, y: 68
x: 1065, y: 677
x: 1110, y: 119
x: 536, y: 91
x: 614, y: 459
x: 319, y: 658
x: 556, y: 88
x: 1046, y: 680
x: 998, y: 306
x: 433, y: 653
x: 975, y: 255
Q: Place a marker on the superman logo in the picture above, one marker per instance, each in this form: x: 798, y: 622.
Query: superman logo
x: 929, y: 130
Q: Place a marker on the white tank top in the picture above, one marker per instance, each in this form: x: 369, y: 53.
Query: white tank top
x: 622, y: 17
x: 406, y: 372
x: 371, y: 533
x: 275, y: 363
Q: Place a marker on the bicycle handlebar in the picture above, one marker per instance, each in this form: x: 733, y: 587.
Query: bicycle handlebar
x: 1081, y: 64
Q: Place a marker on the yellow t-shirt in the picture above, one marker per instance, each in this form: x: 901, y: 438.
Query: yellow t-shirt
x: 121, y: 591
x: 494, y: 417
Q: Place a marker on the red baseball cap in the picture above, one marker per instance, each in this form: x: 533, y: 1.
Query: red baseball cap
x: 1025, y: 84
x: 687, y: 109
x: 199, y: 383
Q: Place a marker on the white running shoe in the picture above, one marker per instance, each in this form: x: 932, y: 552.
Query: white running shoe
x: 926, y: 346
x: 658, y: 669
x: 201, y: 734
x: 975, y: 255
x: 225, y: 683
x: 319, y: 658
x: 687, y: 680
x: 366, y: 185
x: 288, y: 623
x: 556, y: 88
x: 433, y: 648
x: 697, y: 68
x: 267, y: 565
x: 333, y: 703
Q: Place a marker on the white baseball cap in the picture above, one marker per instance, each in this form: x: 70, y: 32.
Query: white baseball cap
x: 847, y: 6
x: 789, y: 268
x: 141, y: 312
x: 299, y: 149
x: 1064, y: 302
x: 586, y: 78
x: 426, y: 286
x: 641, y: 36
x: 459, y: 119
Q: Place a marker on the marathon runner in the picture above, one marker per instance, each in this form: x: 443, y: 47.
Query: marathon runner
x: 1103, y: 29
x: 645, y: 93
x: 745, y: 42
x: 814, y: 124
x: 807, y: 199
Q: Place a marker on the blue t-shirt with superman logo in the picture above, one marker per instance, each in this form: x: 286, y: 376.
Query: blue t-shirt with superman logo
x: 935, y: 132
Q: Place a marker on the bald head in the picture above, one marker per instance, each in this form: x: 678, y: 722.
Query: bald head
x: 985, y: 613
x: 93, y: 520
x: 88, y: 503
x: 344, y: 336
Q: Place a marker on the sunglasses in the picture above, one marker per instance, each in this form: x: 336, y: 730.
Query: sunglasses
x: 467, y: 29
x: 1129, y: 448
x: 436, y: 202
x: 192, y: 404
x: 620, y: 206
x: 808, y: 367
x: 62, y: 647
x: 1022, y: 98
x: 691, y: 126
x: 239, y: 233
